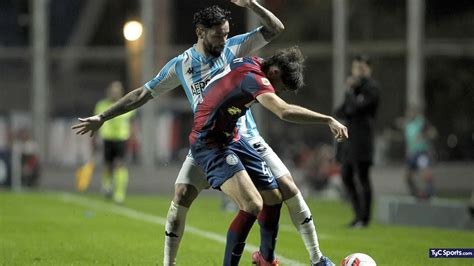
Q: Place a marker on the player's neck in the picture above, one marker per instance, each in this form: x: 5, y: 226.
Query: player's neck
x: 199, y: 47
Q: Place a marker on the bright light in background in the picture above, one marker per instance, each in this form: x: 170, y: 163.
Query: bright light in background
x: 132, y: 30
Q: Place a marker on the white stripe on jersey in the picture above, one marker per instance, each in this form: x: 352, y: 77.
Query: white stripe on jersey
x: 220, y: 75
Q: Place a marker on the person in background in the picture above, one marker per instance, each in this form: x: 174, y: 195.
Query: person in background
x: 114, y: 134
x: 358, y: 111
x: 418, y: 135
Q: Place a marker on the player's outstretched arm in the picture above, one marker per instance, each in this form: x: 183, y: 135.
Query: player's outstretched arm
x: 130, y: 101
x: 272, y: 26
x: 301, y: 115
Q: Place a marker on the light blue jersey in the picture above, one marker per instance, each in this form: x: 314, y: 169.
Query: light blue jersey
x: 193, y: 71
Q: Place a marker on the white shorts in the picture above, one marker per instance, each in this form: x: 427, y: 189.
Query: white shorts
x: 274, y: 162
x: 191, y: 174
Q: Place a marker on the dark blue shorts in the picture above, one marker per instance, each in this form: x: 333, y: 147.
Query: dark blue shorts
x: 221, y: 163
x: 418, y: 161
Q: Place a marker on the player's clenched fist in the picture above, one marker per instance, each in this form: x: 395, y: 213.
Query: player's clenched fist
x: 339, y: 130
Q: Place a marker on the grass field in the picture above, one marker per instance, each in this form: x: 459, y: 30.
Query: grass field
x: 68, y: 229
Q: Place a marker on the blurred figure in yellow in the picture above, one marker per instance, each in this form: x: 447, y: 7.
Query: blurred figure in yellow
x: 84, y: 175
x: 114, y: 134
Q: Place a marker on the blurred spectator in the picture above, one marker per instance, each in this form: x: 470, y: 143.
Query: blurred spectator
x: 30, y: 166
x: 20, y: 160
x: 418, y: 135
x: 359, y: 110
x: 115, y: 134
x: 319, y: 165
x: 321, y: 170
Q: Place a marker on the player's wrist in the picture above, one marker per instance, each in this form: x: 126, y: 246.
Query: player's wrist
x: 330, y: 119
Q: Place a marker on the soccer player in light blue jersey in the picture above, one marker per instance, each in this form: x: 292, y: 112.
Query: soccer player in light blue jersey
x: 193, y: 69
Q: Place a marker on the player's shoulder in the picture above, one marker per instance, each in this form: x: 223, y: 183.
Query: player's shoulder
x: 251, y: 62
x: 185, y: 56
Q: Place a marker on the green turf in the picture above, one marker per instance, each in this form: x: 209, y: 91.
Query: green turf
x: 45, y: 229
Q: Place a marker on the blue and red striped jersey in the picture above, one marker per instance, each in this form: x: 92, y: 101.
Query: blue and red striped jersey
x: 226, y: 98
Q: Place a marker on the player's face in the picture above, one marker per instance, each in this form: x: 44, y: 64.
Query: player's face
x: 360, y: 69
x: 274, y: 76
x: 214, y: 39
x: 115, y: 91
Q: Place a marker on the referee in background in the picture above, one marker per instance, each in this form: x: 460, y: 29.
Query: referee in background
x: 114, y: 134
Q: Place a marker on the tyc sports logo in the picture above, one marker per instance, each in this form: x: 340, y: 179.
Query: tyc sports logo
x: 451, y: 253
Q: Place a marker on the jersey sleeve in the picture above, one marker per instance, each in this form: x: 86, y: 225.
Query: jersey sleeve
x: 260, y: 85
x: 166, y: 79
x: 247, y: 43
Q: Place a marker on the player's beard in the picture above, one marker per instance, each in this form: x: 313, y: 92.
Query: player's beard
x: 214, y: 51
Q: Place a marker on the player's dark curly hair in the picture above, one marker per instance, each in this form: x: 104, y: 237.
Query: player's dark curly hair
x: 291, y: 64
x: 211, y: 16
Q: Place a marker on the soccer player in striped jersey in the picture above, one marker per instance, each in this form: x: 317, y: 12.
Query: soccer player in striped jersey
x: 230, y: 162
x: 193, y: 69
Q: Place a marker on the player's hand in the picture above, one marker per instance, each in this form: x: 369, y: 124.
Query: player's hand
x: 339, y: 130
x: 89, y: 124
x: 243, y: 3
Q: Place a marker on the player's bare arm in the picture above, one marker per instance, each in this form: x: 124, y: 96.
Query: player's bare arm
x: 300, y: 115
x: 272, y: 26
x: 129, y: 102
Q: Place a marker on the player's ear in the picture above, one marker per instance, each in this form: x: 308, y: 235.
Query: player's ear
x: 200, y: 32
x: 274, y: 72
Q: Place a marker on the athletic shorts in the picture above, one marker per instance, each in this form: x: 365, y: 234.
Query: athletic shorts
x: 274, y: 162
x: 222, y: 163
x: 114, y: 150
x: 191, y: 174
x: 419, y: 161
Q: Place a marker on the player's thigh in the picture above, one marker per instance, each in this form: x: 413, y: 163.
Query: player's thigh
x: 189, y: 183
x: 274, y: 162
x: 255, y: 165
x: 241, y: 189
x: 192, y: 175
x: 285, y: 181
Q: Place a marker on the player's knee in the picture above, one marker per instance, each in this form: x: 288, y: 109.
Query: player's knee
x: 253, y: 206
x: 185, y: 194
x: 271, y: 197
x: 287, y: 186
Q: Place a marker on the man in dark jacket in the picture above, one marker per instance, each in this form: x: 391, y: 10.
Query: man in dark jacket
x: 358, y: 110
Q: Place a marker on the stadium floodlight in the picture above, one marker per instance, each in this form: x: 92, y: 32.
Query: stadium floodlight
x: 132, y: 30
